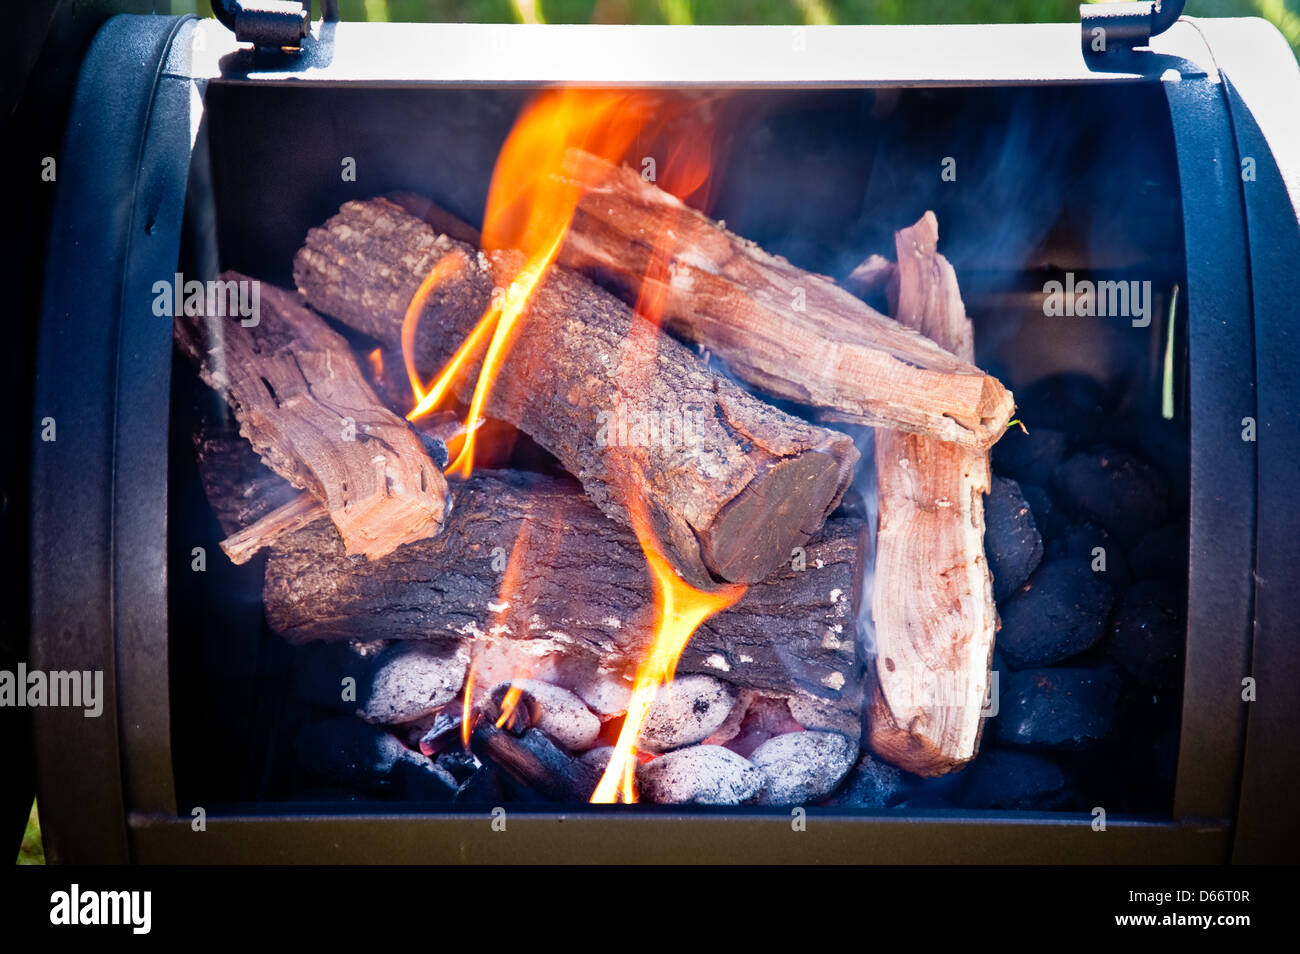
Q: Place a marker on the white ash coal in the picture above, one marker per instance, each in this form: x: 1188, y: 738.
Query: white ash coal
x: 605, y: 692
x: 382, y: 683
x: 803, y: 767
x: 413, y: 681
x: 701, y: 775
x: 532, y: 740
x: 686, y: 711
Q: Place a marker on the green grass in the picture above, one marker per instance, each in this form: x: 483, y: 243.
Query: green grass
x: 32, y: 852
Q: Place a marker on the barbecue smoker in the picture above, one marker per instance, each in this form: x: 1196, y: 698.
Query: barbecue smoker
x: 1166, y: 166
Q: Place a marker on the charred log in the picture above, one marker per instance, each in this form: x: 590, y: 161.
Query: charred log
x: 730, y: 484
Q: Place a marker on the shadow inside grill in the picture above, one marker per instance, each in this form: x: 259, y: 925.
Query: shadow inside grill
x: 1087, y: 516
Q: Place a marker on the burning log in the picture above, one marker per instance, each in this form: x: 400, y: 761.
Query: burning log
x: 581, y: 589
x: 785, y: 331
x: 731, y: 484
x: 533, y: 760
x: 933, y: 599
x: 580, y: 592
x: 303, y: 404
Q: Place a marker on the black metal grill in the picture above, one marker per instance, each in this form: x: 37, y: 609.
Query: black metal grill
x: 184, y: 149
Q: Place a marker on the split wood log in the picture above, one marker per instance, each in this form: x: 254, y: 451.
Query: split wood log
x: 730, y: 484
x: 243, y: 545
x: 303, y: 405
x: 875, y: 275
x: 786, y: 331
x: 933, y: 606
x: 255, y: 533
x: 257, y: 519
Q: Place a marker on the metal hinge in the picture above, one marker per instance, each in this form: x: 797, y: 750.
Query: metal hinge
x: 271, y: 23
x: 1125, y: 26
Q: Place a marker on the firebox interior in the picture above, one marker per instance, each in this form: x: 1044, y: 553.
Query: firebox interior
x: 1034, y: 188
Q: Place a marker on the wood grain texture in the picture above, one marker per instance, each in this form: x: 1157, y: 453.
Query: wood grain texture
x: 244, y: 544
x: 304, y: 406
x: 932, y: 604
x: 783, y: 330
x: 730, y: 484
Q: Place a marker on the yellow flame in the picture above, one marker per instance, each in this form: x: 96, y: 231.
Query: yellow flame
x: 530, y: 208
x: 508, y: 704
x: 467, y: 706
x: 444, y: 267
x: 516, y: 302
x: 679, y: 608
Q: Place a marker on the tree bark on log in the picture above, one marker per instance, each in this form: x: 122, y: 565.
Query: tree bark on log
x: 580, y: 587
x: 933, y: 606
x: 303, y: 405
x: 787, y: 332
x: 730, y: 484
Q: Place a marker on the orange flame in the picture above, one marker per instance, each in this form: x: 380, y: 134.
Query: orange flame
x: 530, y: 208
x: 679, y: 607
x: 679, y: 610
x: 506, y: 593
x: 467, y: 707
x: 508, y: 704
x: 444, y: 267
